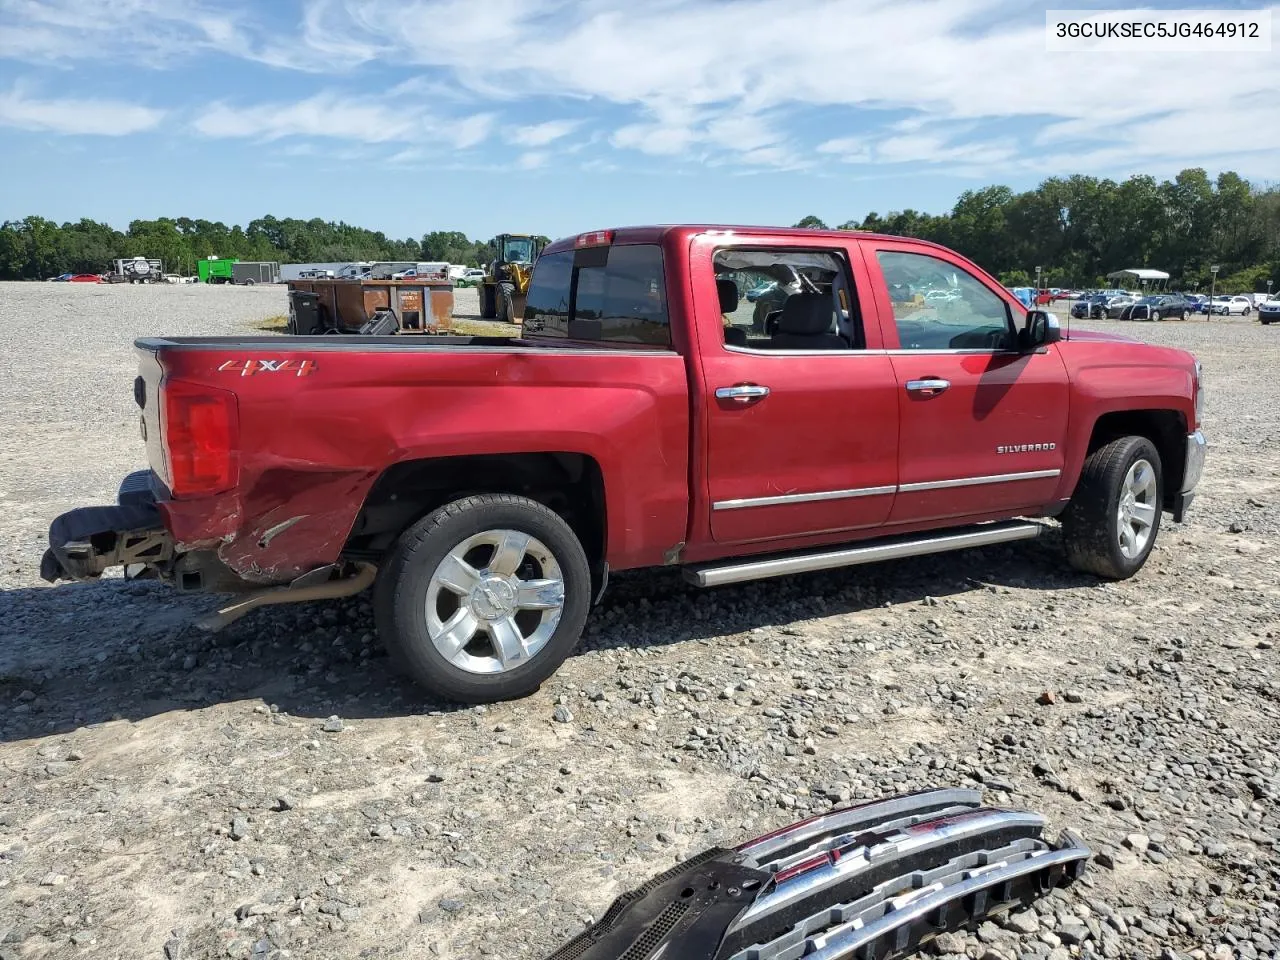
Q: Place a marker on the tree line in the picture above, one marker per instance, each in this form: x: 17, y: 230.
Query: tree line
x: 34, y: 248
x: 1079, y: 229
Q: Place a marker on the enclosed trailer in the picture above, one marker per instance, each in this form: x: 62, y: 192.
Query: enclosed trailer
x: 249, y: 272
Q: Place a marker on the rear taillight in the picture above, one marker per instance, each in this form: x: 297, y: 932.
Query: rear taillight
x: 200, y: 430
x: 1199, y: 387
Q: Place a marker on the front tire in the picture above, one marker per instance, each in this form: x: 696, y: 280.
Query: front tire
x: 1111, y: 524
x: 484, y: 598
x: 1246, y: 312
x: 1155, y: 316
x: 506, y: 304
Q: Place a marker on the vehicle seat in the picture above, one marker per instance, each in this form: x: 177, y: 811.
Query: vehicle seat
x: 805, y: 324
x: 728, y: 293
x: 735, y: 337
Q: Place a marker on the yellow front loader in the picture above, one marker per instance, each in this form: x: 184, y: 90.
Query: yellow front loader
x: 506, y: 279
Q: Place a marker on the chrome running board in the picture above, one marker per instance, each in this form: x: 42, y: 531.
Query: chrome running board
x: 872, y: 881
x: 715, y: 575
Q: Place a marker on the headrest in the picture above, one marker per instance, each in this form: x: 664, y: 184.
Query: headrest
x: 807, y: 314
x: 728, y: 291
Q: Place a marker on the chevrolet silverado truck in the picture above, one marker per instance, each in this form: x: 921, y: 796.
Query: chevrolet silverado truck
x: 898, y: 402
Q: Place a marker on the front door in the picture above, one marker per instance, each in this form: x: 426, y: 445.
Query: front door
x: 982, y: 424
x: 801, y: 417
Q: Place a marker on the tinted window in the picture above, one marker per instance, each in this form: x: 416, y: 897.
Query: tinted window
x: 939, y: 306
x: 615, y: 294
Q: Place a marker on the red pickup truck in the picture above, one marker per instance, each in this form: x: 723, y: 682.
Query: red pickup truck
x: 892, y: 399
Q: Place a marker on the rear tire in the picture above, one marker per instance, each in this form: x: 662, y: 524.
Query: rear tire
x: 1155, y: 316
x: 1246, y: 312
x: 464, y: 626
x: 1121, y: 486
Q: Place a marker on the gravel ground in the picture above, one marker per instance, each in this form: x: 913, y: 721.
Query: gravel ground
x: 275, y: 791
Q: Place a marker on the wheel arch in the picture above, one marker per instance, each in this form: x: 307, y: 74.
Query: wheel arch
x: 568, y: 482
x: 1166, y: 429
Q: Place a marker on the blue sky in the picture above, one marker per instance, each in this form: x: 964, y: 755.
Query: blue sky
x: 556, y: 116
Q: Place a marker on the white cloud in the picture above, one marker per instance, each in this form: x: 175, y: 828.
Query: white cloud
x: 774, y: 83
x: 684, y: 68
x: 335, y: 116
x: 108, y: 118
x: 541, y: 134
x: 533, y: 160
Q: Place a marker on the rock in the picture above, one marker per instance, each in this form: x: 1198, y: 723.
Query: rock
x: 562, y: 714
x: 285, y: 802
x: 1072, y: 932
x: 1024, y: 921
x: 451, y: 905
x: 332, y: 725
x: 1137, y: 842
x: 53, y: 879
x: 949, y: 943
x: 82, y: 938
x: 173, y: 949
x: 239, y: 828
x: 1073, y: 696
x: 383, y: 831
x: 1046, y: 699
x: 189, y: 662
x: 59, y: 768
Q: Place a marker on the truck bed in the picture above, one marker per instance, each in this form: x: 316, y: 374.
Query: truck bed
x: 320, y: 419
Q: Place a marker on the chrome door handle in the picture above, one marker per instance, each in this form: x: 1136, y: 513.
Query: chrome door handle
x: 931, y: 386
x: 743, y: 392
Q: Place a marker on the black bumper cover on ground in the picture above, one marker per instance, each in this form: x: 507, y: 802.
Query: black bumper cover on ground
x: 872, y: 881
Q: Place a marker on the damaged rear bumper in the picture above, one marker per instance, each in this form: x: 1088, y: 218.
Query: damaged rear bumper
x: 875, y: 880
x: 87, y: 541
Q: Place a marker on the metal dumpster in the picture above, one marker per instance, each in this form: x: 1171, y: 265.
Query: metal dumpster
x: 420, y: 306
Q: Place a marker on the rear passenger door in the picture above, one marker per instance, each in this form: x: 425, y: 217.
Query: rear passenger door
x: 982, y: 424
x: 801, y: 419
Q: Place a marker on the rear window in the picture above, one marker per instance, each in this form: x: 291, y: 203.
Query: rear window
x: 609, y: 294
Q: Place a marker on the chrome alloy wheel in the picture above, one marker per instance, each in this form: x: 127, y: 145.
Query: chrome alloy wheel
x: 494, y: 601
x: 1136, y: 515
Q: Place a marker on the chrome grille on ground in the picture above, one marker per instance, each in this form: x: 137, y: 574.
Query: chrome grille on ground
x: 875, y: 880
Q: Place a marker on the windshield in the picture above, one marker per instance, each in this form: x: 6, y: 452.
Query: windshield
x: 1150, y: 300
x: 518, y: 250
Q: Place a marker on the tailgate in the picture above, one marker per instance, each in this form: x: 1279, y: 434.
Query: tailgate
x: 146, y: 393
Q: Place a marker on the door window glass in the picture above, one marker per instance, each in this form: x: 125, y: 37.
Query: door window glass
x: 786, y: 300
x: 939, y: 306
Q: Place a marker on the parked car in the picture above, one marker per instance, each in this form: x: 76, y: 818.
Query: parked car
x: 1026, y: 295
x: 1232, y: 305
x: 1092, y: 307
x: 1269, y: 311
x: 84, y: 278
x: 677, y: 441
x: 1158, y: 307
x: 60, y: 278
x: 1116, y: 306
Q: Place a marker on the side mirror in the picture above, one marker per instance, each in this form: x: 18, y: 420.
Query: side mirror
x: 1040, y: 330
